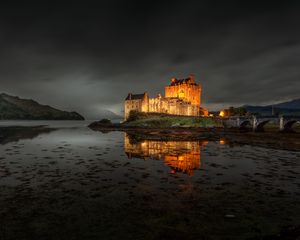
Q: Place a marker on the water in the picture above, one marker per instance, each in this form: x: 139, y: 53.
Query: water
x: 92, y: 185
x: 52, y: 124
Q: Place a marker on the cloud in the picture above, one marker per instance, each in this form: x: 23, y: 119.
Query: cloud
x: 86, y: 58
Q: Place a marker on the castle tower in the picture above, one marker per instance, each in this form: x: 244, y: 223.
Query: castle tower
x: 186, y: 89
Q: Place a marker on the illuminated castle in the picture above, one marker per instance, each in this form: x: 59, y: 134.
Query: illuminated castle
x: 182, y: 97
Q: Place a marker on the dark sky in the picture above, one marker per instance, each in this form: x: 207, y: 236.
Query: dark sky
x: 86, y: 57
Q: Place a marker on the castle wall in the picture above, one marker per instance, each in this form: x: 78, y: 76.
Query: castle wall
x: 132, y: 105
x: 159, y: 105
x: 173, y: 106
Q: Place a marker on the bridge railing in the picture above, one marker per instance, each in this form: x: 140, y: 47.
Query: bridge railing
x: 257, y: 122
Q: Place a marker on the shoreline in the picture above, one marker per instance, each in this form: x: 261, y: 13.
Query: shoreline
x: 232, y: 136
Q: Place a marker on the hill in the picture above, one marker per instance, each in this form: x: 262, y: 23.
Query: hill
x: 285, y: 108
x: 293, y: 104
x: 15, y: 108
x: 104, y: 113
x: 101, y: 113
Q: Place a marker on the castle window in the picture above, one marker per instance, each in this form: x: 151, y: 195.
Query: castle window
x: 181, y: 94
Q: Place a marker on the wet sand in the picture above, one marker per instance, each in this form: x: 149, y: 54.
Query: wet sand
x: 79, y: 184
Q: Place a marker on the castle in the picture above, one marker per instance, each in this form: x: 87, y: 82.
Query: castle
x: 182, y: 97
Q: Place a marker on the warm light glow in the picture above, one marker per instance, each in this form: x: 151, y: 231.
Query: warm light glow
x: 222, y: 142
x: 182, y: 97
x: 180, y: 156
x: 181, y: 94
x: 222, y: 113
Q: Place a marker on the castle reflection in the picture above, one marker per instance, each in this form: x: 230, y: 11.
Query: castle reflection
x: 180, y: 156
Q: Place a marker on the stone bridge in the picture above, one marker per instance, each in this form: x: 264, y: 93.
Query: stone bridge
x: 285, y: 123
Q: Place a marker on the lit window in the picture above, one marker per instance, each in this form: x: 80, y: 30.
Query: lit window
x: 222, y: 113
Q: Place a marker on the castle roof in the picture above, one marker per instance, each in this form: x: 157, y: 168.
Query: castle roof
x: 190, y: 80
x: 135, y: 96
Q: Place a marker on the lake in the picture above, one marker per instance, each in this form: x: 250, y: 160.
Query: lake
x: 70, y: 182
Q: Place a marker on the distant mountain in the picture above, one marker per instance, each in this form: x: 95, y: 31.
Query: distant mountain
x: 15, y: 108
x: 259, y: 110
x: 293, y: 104
x: 285, y: 108
x: 104, y: 113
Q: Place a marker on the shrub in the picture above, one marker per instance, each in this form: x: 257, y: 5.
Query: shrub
x: 135, y: 115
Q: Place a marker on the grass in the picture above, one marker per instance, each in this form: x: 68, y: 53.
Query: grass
x: 175, y: 121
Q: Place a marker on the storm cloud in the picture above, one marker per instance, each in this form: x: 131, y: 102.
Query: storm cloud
x: 87, y: 57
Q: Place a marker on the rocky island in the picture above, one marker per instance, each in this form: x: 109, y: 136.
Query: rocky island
x: 165, y: 127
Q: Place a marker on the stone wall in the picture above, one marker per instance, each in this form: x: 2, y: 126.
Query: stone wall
x: 172, y: 106
x: 132, y: 105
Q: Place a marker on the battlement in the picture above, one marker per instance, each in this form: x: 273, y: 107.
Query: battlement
x: 190, y: 80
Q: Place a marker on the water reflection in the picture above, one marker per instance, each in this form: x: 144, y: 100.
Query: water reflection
x: 180, y: 156
x: 222, y: 141
x: 14, y: 134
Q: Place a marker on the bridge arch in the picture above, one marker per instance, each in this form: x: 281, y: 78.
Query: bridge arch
x: 245, y: 123
x: 260, y: 125
x: 288, y: 126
